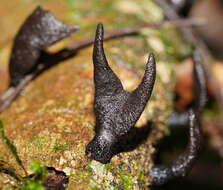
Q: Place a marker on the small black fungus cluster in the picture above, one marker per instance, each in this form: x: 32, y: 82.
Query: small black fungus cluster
x: 116, y: 109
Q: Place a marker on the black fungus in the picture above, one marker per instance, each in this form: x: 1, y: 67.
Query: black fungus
x: 40, y: 30
x: 116, y: 110
x: 181, y: 119
x: 183, y: 164
x: 200, y: 83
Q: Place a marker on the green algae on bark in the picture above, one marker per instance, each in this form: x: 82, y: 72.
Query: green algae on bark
x: 52, y: 121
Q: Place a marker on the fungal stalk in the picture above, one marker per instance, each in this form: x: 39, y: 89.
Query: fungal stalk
x: 184, y: 163
x: 116, y: 110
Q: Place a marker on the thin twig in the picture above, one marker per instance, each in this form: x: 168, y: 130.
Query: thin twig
x: 188, y: 31
x: 135, y: 29
x: 11, y: 93
x: 202, y: 50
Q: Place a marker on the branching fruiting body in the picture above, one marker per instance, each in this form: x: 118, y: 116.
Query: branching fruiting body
x: 116, y: 110
x: 40, y: 30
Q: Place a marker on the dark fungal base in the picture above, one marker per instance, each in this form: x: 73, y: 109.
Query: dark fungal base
x: 182, y: 165
x: 116, y: 110
x: 40, y: 30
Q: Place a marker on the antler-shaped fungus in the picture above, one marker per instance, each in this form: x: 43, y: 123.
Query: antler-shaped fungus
x: 40, y: 30
x: 183, y: 164
x: 116, y: 110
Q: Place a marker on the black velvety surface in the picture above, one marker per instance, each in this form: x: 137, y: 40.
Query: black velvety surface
x: 183, y: 164
x: 40, y: 30
x: 116, y: 110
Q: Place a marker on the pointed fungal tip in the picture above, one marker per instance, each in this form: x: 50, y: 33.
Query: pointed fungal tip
x: 100, y: 31
x: 151, y: 59
x: 100, y: 26
x: 151, y: 63
x: 39, y: 7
